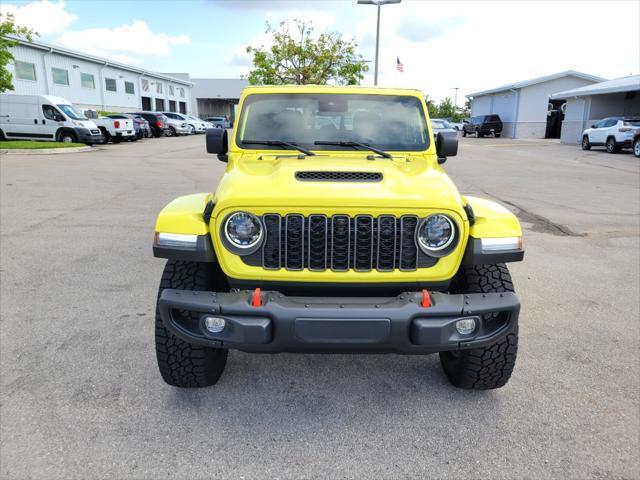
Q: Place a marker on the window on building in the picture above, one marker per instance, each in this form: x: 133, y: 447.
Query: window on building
x: 183, y: 108
x: 128, y: 88
x: 172, y: 105
x: 171, y: 92
x: 110, y: 85
x: 159, y: 105
x: 60, y: 76
x: 159, y: 87
x: 25, y: 71
x: 87, y: 80
x: 181, y: 92
x: 145, y: 85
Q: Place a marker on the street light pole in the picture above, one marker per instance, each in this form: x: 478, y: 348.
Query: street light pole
x: 375, y: 73
x: 377, y: 3
x: 455, y: 102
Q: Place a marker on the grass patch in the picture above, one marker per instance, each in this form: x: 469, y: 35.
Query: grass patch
x: 33, y: 145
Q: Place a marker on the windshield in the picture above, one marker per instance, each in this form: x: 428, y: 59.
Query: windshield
x: 389, y: 122
x: 438, y: 124
x: 71, y: 112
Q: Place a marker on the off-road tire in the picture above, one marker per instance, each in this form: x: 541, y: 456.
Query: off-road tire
x: 478, y: 133
x: 183, y: 364
x: 585, y: 143
x: 611, y: 145
x: 491, y: 366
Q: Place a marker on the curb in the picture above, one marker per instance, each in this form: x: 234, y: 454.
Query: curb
x: 43, y: 151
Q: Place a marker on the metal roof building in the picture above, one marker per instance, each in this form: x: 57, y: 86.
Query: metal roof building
x: 585, y: 105
x: 94, y: 82
x: 523, y: 106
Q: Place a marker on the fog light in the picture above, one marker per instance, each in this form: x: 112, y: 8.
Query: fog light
x: 466, y: 326
x: 214, y: 324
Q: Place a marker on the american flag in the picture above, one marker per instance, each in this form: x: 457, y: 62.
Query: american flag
x: 399, y: 65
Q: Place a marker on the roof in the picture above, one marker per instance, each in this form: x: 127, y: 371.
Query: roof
x: 534, y: 81
x: 228, y: 88
x: 618, y: 85
x: 103, y: 61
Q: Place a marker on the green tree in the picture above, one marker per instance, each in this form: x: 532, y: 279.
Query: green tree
x: 305, y: 59
x: 8, y: 27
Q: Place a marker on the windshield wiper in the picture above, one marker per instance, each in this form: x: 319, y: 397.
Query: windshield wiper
x: 279, y: 143
x: 355, y: 144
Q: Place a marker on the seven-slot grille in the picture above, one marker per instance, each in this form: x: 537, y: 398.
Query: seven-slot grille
x: 342, y: 243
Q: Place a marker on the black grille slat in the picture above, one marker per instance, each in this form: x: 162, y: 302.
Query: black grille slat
x: 341, y: 243
x: 294, y: 242
x: 271, y: 249
x: 363, y: 243
x: 317, y: 235
x: 386, y: 243
x: 408, y: 248
x: 339, y: 176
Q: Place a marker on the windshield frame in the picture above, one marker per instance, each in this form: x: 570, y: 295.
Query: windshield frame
x: 331, y: 148
x: 71, y: 112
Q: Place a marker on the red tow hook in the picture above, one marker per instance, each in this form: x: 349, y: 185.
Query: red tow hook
x: 426, y: 299
x: 256, y: 299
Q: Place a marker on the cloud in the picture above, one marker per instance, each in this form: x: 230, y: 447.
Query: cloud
x: 125, y: 41
x: 423, y: 29
x: 42, y: 16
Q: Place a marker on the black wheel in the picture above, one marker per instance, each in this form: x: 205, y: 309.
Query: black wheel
x: 173, y: 132
x: 497, y: 135
x: 585, y: 143
x: 464, y: 132
x: 491, y: 366
x: 116, y: 139
x: 183, y: 364
x: 68, y: 137
x: 611, y: 145
x: 478, y: 133
x: 636, y: 147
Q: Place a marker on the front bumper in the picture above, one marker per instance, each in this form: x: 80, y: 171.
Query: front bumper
x: 339, y: 325
x: 89, y: 137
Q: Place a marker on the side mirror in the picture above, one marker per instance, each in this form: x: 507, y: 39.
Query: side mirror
x: 217, y: 143
x: 594, y: 126
x: 446, y: 146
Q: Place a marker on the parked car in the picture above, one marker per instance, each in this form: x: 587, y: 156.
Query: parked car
x: 345, y: 253
x: 178, y: 126
x: 157, y: 121
x: 455, y: 125
x: 140, y: 125
x: 195, y: 124
x: 438, y: 126
x: 45, y: 117
x: 218, y: 122
x: 614, y: 133
x: 112, y: 130
x: 483, y: 125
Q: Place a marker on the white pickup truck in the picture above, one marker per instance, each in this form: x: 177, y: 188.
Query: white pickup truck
x: 112, y: 129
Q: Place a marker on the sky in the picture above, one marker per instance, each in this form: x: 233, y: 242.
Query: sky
x: 471, y: 45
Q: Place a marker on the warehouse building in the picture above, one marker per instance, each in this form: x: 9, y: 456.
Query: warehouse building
x: 586, y: 105
x: 93, y: 82
x: 524, y: 107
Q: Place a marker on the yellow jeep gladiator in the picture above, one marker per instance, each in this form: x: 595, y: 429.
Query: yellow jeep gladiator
x: 334, y: 229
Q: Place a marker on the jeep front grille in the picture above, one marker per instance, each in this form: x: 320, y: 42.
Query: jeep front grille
x: 341, y: 243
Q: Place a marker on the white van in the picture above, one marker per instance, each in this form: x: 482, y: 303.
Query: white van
x: 44, y: 117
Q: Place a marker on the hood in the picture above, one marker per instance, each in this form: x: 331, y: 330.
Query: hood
x: 270, y: 182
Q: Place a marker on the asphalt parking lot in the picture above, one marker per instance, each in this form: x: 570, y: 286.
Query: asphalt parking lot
x: 81, y: 396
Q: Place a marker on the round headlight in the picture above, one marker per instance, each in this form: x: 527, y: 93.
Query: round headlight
x: 436, y: 233
x: 243, y: 230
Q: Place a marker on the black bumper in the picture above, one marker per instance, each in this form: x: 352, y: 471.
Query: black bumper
x: 86, y: 136
x: 339, y: 325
